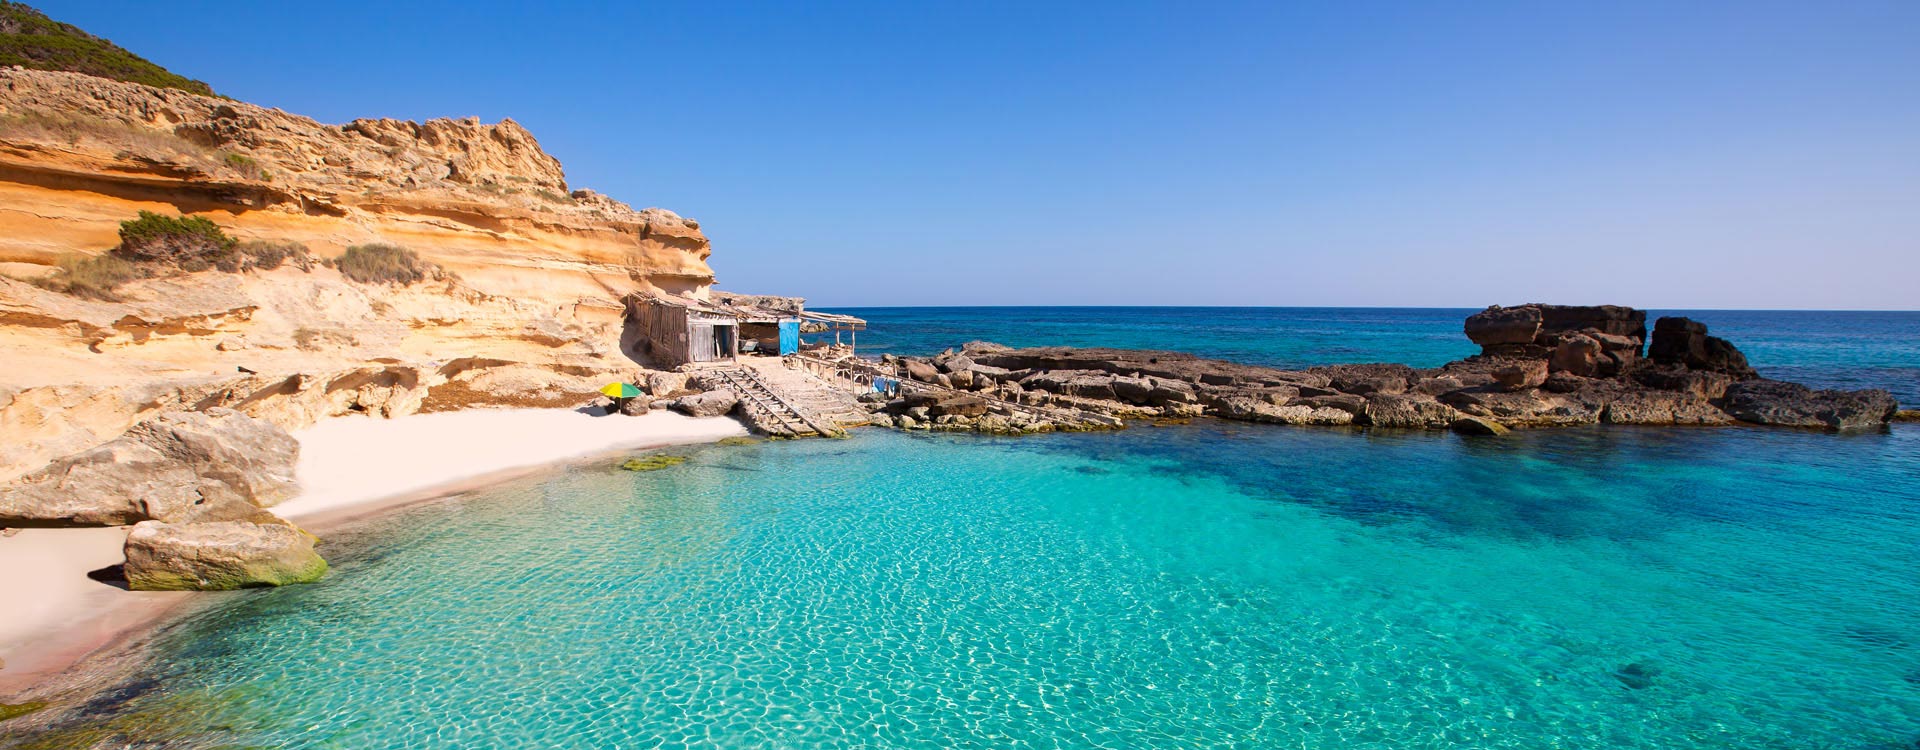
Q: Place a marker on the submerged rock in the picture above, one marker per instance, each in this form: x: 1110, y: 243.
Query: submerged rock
x: 1636, y: 676
x: 652, y: 463
x: 212, y: 465
x: 218, y: 556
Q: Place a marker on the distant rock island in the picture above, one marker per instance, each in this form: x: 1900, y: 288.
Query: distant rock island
x: 1540, y: 365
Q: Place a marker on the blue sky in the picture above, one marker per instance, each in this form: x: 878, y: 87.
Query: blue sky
x: 1678, y: 155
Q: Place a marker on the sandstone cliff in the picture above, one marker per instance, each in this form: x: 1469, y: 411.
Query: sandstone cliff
x: 531, y: 303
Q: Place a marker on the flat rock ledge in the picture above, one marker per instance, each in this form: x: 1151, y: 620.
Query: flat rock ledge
x: 1539, y: 366
x: 219, y: 556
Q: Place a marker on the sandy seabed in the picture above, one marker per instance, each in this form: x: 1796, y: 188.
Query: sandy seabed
x: 53, y: 616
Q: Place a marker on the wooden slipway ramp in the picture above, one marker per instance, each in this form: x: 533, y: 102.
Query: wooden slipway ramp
x: 782, y: 402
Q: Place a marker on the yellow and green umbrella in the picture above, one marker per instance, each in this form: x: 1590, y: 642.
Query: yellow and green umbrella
x: 620, y: 390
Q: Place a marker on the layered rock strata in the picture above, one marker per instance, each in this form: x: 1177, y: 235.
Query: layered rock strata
x: 528, y: 313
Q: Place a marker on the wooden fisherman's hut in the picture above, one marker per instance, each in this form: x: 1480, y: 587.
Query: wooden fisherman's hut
x: 673, y: 329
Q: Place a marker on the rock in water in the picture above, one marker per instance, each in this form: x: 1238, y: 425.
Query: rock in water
x: 1411, y: 411
x: 1681, y: 341
x: 1533, y: 330
x: 1663, y: 407
x: 213, y: 465
x: 1772, y: 402
x: 714, y: 403
x: 219, y: 556
x: 1479, y: 426
x: 1504, y: 326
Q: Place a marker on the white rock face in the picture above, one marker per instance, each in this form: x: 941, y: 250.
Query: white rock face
x: 216, y: 464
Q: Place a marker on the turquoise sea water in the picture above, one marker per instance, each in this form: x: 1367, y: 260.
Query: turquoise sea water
x: 1207, y: 586
x: 1212, y: 585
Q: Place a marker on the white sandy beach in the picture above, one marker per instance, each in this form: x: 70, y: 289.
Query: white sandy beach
x: 349, y: 466
x: 348, y: 463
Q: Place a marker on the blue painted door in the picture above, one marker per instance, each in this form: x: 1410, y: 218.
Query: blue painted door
x: 789, y: 337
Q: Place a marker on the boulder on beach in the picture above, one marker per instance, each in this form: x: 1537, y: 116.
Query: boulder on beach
x: 219, y: 556
x: 715, y: 403
x: 212, y: 465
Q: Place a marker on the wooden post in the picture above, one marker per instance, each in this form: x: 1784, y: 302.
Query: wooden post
x: 854, y: 335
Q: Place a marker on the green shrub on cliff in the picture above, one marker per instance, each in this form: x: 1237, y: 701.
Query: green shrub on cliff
x: 93, y: 277
x: 29, y: 39
x: 382, y: 264
x: 159, y: 245
x: 191, y: 243
x: 265, y: 256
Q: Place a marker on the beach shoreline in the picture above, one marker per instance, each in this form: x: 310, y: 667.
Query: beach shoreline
x: 75, y: 631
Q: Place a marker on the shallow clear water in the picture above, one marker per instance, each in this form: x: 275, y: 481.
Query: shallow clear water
x: 1202, y: 586
x: 1829, y: 349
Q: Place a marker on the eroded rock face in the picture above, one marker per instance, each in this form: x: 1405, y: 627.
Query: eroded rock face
x: 1521, y: 375
x: 1409, y: 411
x: 216, y: 464
x: 483, y: 200
x: 1771, y: 402
x: 1664, y: 407
x: 1504, y: 331
x: 1499, y: 326
x: 219, y: 556
x: 1684, y: 342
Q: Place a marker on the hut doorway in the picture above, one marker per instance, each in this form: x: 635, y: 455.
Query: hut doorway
x: 711, y: 342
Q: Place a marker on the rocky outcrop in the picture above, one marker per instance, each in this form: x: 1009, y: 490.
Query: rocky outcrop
x: 1771, y: 402
x: 1535, y: 330
x: 212, y: 465
x: 1664, y: 407
x: 219, y: 556
x: 1542, y: 365
x: 1408, y: 411
x: 1684, y: 343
